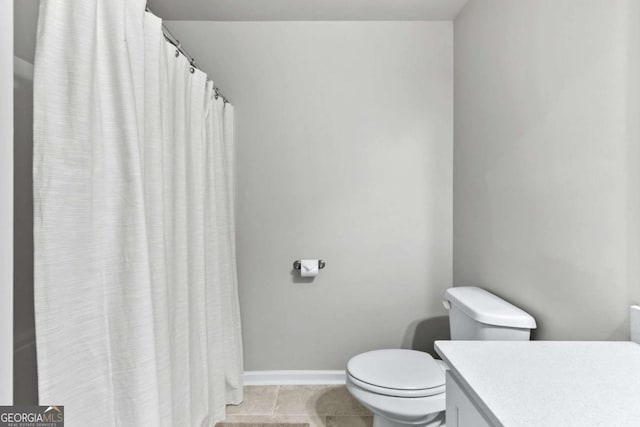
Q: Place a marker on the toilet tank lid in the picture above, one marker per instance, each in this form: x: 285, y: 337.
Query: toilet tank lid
x: 484, y: 307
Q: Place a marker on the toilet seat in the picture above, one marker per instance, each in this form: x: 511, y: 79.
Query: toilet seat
x: 397, y: 373
x: 393, y: 392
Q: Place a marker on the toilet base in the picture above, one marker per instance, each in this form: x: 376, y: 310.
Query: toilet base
x: 438, y: 421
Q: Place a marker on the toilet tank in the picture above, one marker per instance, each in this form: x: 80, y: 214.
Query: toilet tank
x: 475, y: 314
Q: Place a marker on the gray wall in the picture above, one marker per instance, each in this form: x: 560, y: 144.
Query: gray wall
x: 25, y: 390
x: 344, y: 142
x: 25, y: 386
x: 546, y: 159
x: 25, y: 19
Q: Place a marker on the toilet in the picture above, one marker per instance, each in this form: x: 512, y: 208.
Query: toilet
x: 407, y: 387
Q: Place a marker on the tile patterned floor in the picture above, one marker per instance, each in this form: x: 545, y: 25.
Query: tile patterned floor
x: 318, y: 405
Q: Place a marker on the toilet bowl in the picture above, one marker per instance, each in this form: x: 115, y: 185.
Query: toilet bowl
x: 406, y: 387
x: 400, y: 387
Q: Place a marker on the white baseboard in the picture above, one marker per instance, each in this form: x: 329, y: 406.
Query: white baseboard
x: 293, y: 377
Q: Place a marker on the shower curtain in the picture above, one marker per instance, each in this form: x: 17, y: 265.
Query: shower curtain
x: 137, y: 317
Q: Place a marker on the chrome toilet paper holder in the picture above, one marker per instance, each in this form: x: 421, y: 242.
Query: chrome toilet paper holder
x: 297, y: 265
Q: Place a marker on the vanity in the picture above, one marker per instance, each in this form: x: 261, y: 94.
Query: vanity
x: 542, y: 383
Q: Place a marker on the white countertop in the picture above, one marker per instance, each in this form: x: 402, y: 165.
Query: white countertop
x: 550, y: 383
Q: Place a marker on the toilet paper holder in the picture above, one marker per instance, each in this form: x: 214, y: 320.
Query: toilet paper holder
x: 297, y: 265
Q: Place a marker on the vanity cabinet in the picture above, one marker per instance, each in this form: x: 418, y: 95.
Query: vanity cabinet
x: 542, y: 383
x: 461, y: 410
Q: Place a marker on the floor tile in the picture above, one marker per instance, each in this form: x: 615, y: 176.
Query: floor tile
x: 349, y: 421
x: 234, y: 424
x: 258, y: 400
x: 320, y: 400
x: 314, y: 421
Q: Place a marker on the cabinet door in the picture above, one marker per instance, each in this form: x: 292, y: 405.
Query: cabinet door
x: 461, y: 411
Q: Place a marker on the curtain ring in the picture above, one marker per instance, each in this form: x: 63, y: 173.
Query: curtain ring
x: 177, y: 53
x: 193, y: 70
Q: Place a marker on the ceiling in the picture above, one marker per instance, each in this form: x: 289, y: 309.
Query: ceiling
x: 306, y: 10
x: 26, y: 13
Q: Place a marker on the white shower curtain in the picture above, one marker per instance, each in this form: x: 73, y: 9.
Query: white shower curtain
x: 136, y: 302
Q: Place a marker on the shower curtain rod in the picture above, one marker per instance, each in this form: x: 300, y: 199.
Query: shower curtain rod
x: 168, y: 35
